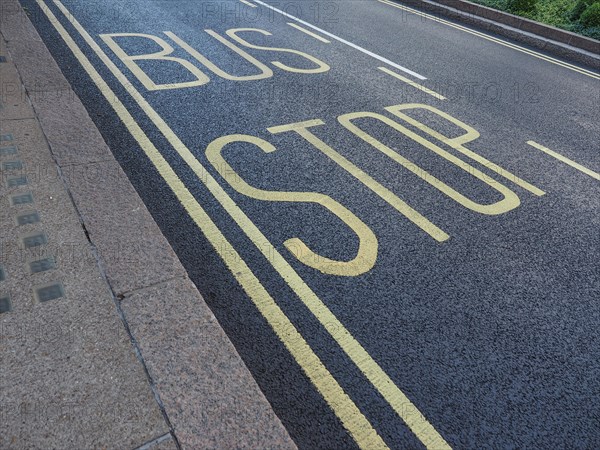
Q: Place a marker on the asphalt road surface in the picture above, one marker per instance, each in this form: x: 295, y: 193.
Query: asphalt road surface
x: 395, y: 219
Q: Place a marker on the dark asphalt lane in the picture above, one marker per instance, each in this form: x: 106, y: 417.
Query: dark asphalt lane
x: 492, y: 334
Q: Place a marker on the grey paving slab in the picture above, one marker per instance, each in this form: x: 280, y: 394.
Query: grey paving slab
x: 208, y: 393
x: 69, y: 376
x: 165, y: 445
x: 59, y: 111
x: 134, y: 256
x: 65, y: 120
x: 43, y: 181
x: 14, y: 22
x: 13, y: 98
x: 134, y: 251
x: 36, y: 77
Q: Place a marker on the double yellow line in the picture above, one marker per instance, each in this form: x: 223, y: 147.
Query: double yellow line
x: 344, y: 408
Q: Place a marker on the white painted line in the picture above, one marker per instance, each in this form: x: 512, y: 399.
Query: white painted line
x: 344, y: 41
x: 494, y: 39
x: 245, y: 2
x: 566, y: 160
x: 412, y: 83
x: 310, y: 33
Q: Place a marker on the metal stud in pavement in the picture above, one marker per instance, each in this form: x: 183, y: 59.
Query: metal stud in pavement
x: 42, y: 265
x: 34, y: 240
x: 28, y: 218
x: 17, y: 181
x: 5, y: 305
x: 49, y: 292
x: 12, y: 165
x: 10, y: 150
x: 21, y: 199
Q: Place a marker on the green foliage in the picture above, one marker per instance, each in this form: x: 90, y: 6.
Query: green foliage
x: 579, y: 8
x: 555, y: 13
x: 591, y: 16
x: 565, y: 14
x: 521, y: 7
x: 497, y: 4
x: 593, y: 32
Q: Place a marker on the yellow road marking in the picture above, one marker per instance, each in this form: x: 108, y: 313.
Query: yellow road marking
x: 496, y: 40
x: 367, y: 241
x: 265, y: 72
x: 321, y: 66
x: 509, y: 202
x: 566, y: 160
x: 163, y: 54
x: 245, y: 2
x: 457, y: 142
x: 344, y: 41
x: 401, y: 404
x: 310, y: 33
x: 396, y: 202
x: 353, y: 420
x: 412, y: 83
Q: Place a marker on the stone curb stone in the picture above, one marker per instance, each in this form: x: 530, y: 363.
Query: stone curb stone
x: 211, y: 404
x: 522, y: 23
x: 578, y: 49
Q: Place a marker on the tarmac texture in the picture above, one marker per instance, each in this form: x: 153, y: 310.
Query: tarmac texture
x: 415, y: 262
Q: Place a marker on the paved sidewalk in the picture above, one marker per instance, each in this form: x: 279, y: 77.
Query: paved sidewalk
x: 104, y: 340
x: 69, y: 377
